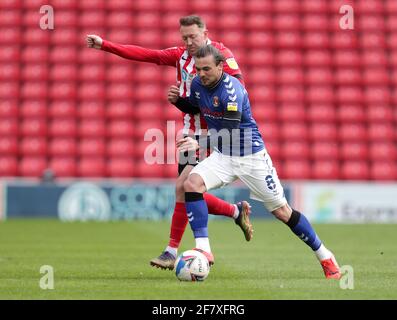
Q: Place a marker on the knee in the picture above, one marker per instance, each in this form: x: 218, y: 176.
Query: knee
x: 189, y: 186
x: 283, y: 213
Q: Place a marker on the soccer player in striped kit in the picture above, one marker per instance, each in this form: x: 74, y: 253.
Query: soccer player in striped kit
x: 194, y: 35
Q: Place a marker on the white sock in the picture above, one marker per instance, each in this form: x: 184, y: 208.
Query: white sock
x: 323, y: 253
x: 173, y: 251
x: 203, y: 244
x: 236, y: 212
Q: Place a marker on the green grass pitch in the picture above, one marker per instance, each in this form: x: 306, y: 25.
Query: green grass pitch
x: 110, y: 260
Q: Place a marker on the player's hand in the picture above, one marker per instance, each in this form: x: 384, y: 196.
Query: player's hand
x: 94, y: 41
x: 173, y: 94
x: 187, y: 144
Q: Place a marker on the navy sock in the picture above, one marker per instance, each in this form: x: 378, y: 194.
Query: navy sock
x: 303, y: 229
x: 197, y: 212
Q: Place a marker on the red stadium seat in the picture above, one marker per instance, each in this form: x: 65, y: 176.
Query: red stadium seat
x: 375, y: 58
x: 290, y: 93
x: 9, y: 71
x: 287, y: 21
x: 373, y: 40
x: 355, y: 170
x: 273, y: 147
x: 8, y: 108
x: 263, y: 6
x: 35, y: 71
x: 61, y: 37
x: 121, y: 129
x: 294, y: 131
x: 315, y: 21
x: 9, y: 90
x: 376, y: 76
x: 142, y: 110
x: 326, y: 170
x: 87, y: 56
x: 314, y: 6
x: 263, y: 57
x: 264, y: 75
x: 354, y: 151
x: 92, y: 147
x: 286, y: 6
x: 8, y: 146
x: 32, y: 166
x: 34, y: 128
x: 92, y: 128
x: 34, y: 109
x: 148, y: 126
x: 147, y: 72
x: 119, y: 73
x: 35, y: 36
x: 145, y: 170
x: 91, y: 167
x: 94, y: 110
x: 391, y: 6
x: 351, y: 113
x: 323, y: 132
x: 265, y: 112
x: 121, y: 167
x: 289, y: 58
x: 66, y: 18
x: 92, y: 90
x: 231, y: 21
x: 62, y: 147
x: 350, y: 94
x: 10, y: 53
x: 258, y: 21
x: 350, y: 132
x: 37, y: 54
x: 120, y: 91
x: 295, y: 150
x: 318, y: 58
x: 344, y: 39
x: 10, y: 35
x: 63, y: 128
x: 233, y: 39
x: 290, y: 75
x: 92, y: 18
x: 291, y: 112
x: 123, y: 36
x: 327, y: 150
x: 378, y: 94
x: 8, y: 127
x: 380, y: 113
x: 11, y: 4
x: 92, y: 72
x: 63, y: 167
x: 122, y: 110
x: 122, y: 19
x: 320, y: 94
x: 147, y: 5
x: 383, y: 151
x: 120, y: 5
x: 382, y: 132
x: 348, y: 76
x: 384, y: 170
x: 316, y: 40
x: 296, y: 170
x: 259, y: 40
x: 65, y: 54
x: 270, y: 130
x: 8, y: 166
x: 121, y: 147
x: 371, y: 23
x: 319, y: 75
x: 347, y: 58
x: 63, y: 72
x: 148, y: 38
x: 289, y: 39
x: 34, y: 90
x: 62, y: 109
x: 63, y: 90
x: 170, y: 170
x: 33, y: 147
x: 321, y: 112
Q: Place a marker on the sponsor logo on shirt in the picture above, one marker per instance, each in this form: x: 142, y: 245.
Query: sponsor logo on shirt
x: 232, y: 106
x: 232, y: 63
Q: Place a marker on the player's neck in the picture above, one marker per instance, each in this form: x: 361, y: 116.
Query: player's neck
x: 215, y: 84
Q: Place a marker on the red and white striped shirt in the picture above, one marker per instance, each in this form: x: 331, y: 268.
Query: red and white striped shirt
x: 177, y: 57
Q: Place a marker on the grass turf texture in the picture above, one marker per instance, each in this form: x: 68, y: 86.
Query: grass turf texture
x: 111, y: 261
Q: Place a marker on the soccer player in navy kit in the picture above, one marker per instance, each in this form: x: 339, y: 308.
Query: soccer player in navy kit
x: 239, y: 153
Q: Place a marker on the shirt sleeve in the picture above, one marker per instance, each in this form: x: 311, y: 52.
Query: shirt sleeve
x: 231, y: 66
x: 233, y: 98
x: 167, y: 57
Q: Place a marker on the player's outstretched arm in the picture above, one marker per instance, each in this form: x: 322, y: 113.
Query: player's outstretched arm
x: 94, y: 41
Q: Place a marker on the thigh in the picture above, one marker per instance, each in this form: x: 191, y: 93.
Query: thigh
x: 216, y: 171
x: 258, y: 173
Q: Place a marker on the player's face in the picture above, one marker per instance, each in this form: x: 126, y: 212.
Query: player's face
x: 208, y: 71
x: 193, y: 37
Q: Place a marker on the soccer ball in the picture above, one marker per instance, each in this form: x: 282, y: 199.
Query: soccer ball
x: 192, y: 265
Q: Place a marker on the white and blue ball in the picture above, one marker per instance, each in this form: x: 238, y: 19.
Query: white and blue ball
x: 192, y: 265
